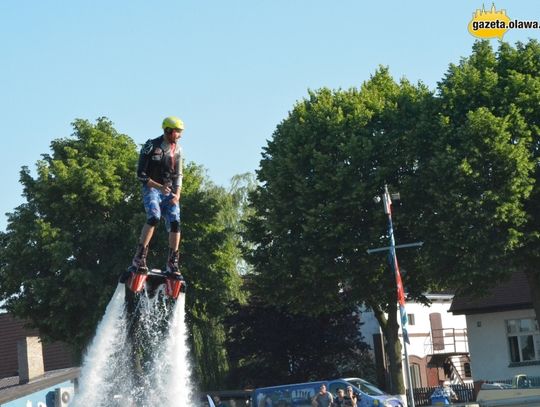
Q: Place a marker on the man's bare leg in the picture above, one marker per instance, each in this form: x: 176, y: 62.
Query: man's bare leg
x: 147, y: 232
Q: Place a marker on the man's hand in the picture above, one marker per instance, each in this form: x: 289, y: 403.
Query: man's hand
x: 175, y: 199
x: 165, y: 190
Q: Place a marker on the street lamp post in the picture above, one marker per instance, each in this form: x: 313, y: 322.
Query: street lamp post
x: 387, y: 201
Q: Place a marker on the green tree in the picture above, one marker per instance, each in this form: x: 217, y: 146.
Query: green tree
x: 314, y: 214
x: 211, y: 257
x: 65, y: 247
x: 481, y: 215
x: 224, y: 285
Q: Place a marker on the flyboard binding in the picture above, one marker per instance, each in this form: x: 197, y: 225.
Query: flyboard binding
x: 137, y: 280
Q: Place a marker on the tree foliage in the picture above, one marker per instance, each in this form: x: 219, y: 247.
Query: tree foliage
x: 314, y: 210
x: 482, y: 221
x: 211, y: 257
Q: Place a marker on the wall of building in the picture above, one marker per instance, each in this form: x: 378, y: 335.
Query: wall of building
x: 488, y: 344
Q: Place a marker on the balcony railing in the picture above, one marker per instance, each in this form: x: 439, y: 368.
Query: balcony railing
x: 447, y: 340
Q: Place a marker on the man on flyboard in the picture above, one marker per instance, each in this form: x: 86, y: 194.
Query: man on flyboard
x: 160, y: 171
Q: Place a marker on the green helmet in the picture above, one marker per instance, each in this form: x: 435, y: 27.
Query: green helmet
x: 173, y: 122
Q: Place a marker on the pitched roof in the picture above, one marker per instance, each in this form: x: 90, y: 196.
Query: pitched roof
x: 508, y: 295
x: 10, y: 389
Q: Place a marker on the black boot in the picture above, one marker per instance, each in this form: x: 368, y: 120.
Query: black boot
x: 172, y: 262
x: 139, y: 260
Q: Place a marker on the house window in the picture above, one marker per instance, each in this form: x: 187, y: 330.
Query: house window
x: 410, y: 318
x: 523, y: 340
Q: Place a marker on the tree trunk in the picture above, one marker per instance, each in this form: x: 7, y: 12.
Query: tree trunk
x: 390, y: 328
x: 533, y: 277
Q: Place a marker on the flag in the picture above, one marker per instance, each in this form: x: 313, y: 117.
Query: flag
x: 401, y: 298
x: 399, y: 283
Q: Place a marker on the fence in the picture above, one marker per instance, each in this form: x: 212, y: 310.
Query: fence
x: 465, y: 393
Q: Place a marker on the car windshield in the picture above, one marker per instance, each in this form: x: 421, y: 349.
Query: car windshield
x: 366, y: 387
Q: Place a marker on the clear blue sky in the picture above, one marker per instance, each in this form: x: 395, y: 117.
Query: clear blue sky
x: 230, y: 69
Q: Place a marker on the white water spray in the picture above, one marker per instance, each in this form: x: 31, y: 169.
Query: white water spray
x: 101, y: 351
x: 179, y: 380
x: 138, y: 359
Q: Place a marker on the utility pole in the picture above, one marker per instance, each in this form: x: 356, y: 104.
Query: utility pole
x: 387, y: 201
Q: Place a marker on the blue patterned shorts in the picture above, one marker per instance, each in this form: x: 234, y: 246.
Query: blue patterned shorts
x: 156, y: 204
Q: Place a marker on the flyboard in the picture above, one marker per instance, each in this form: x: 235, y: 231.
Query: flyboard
x: 150, y: 280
